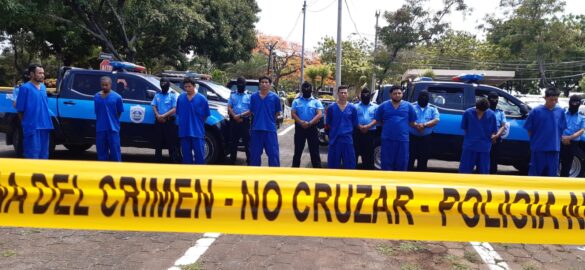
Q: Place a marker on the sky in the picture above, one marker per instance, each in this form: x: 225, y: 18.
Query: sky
x: 284, y: 17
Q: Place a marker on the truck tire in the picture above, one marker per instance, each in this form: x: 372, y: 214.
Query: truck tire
x: 17, y: 141
x: 377, y: 154
x: 323, y: 137
x: 578, y: 166
x: 212, y: 148
x: 78, y: 148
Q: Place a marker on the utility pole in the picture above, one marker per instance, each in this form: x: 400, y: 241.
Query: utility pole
x: 303, y: 46
x: 270, y: 47
x: 338, y: 50
x: 374, y: 53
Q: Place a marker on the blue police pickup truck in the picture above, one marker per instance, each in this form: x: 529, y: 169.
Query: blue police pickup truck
x: 73, y: 113
x: 452, y: 99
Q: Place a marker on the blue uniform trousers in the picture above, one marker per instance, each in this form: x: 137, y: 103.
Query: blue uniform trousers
x: 544, y: 163
x: 394, y: 156
x: 473, y: 159
x: 261, y: 140
x: 107, y: 144
x: 36, y: 144
x: 193, y: 150
x: 339, y: 153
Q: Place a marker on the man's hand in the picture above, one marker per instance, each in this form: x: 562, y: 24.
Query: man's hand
x: 420, y: 127
x: 160, y: 119
x: 566, y: 140
x: 495, y: 138
x: 305, y: 124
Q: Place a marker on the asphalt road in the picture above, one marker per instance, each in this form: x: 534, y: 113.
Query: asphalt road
x: 24, y: 248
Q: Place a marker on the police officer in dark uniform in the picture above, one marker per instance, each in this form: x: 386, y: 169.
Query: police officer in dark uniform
x: 365, y: 133
x: 306, y: 111
x: 166, y: 131
x: 239, y: 111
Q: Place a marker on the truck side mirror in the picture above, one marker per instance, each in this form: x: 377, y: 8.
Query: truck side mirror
x: 524, y: 109
x: 150, y: 93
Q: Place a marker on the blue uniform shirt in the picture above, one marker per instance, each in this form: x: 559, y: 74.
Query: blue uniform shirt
x: 34, y: 105
x: 575, y: 122
x: 191, y: 115
x: 240, y: 102
x: 546, y: 127
x: 478, y: 132
x: 164, y: 102
x: 107, y: 111
x: 424, y: 115
x: 264, y: 111
x: 341, y: 123
x: 306, y: 108
x: 500, y: 117
x: 396, y: 122
x: 366, y: 113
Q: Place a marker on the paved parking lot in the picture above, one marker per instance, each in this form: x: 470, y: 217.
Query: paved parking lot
x: 24, y: 248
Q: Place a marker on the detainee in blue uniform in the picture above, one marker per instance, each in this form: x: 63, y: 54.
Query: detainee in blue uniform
x: 33, y: 107
x: 239, y: 111
x: 192, y: 112
x: 164, y: 106
x: 341, y: 120
x: 306, y: 111
x: 479, y: 124
x: 395, y: 116
x: 108, y: 109
x: 493, y: 98
x: 427, y: 117
x: 365, y: 133
x: 545, y: 125
x: 265, y: 107
x: 571, y: 135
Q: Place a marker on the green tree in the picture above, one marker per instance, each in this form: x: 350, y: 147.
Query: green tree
x: 355, y: 58
x: 252, y: 68
x: 312, y: 72
x: 324, y: 72
x: 409, y: 26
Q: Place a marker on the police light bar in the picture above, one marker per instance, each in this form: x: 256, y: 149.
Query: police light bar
x: 468, y: 78
x: 127, y: 66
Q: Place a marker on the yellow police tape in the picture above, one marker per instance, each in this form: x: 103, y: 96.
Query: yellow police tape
x: 296, y: 202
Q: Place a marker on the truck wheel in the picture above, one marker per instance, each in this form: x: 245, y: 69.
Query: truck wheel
x: 212, y: 149
x: 578, y: 166
x: 78, y: 148
x: 323, y: 137
x: 522, y: 168
x: 17, y: 141
x: 377, y: 154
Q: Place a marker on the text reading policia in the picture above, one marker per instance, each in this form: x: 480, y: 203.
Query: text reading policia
x: 127, y: 196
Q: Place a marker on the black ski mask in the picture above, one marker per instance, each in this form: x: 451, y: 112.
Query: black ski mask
x: 423, y: 99
x: 306, y: 89
x: 365, y: 97
x: 493, y: 99
x: 241, y: 85
x: 165, y: 84
x: 574, y: 103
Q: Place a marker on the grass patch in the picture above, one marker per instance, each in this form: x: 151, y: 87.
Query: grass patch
x: 385, y: 249
x: 193, y: 266
x: 456, y: 263
x: 410, y: 246
x: 529, y: 267
x: 409, y: 266
x: 471, y: 256
x: 8, y: 253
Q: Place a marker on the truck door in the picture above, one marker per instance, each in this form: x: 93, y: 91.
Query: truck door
x: 448, y: 135
x: 76, y: 106
x: 137, y: 121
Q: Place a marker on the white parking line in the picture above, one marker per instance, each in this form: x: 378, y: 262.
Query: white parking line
x: 490, y: 256
x: 286, y: 130
x: 193, y: 253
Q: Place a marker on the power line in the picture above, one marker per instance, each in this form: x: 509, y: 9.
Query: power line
x: 294, y: 26
x: 328, y: 6
x: 352, y: 21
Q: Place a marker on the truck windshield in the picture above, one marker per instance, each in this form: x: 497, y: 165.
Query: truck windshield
x: 156, y: 82
x: 222, y: 91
